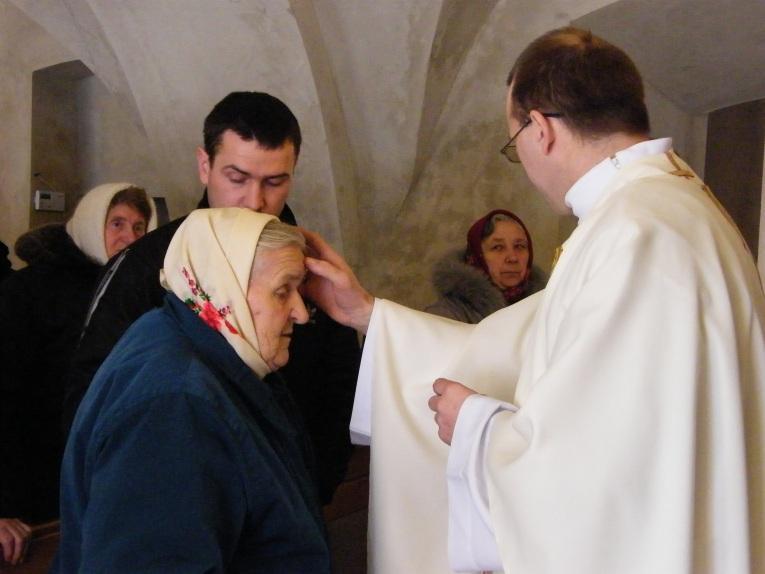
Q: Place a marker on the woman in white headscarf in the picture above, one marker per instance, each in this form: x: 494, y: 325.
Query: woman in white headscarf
x: 42, y: 308
x: 186, y: 434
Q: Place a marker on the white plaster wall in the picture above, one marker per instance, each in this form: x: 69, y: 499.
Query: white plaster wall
x: 466, y: 176
x: 761, y: 245
x: 688, y: 132
x: 381, y: 69
x: 401, y: 105
x: 177, y: 77
x: 24, y: 47
x: 167, y: 63
x: 112, y: 146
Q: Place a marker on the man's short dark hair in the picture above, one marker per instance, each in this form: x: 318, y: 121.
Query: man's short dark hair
x: 252, y: 116
x: 594, y: 84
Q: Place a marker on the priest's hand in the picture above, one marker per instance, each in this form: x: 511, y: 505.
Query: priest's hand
x: 333, y: 286
x: 447, y: 403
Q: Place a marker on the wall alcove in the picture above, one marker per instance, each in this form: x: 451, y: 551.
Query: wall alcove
x: 56, y: 113
x: 83, y: 136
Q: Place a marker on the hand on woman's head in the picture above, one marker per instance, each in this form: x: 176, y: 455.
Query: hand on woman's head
x: 333, y: 286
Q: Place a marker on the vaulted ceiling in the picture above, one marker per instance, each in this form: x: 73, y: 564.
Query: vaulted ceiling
x: 401, y: 101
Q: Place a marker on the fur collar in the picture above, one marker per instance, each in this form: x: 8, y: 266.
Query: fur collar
x: 50, y: 244
x: 455, y: 279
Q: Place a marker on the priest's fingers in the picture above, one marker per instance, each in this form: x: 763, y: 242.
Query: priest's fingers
x: 440, y: 385
x: 326, y: 270
x: 447, y: 402
x: 338, y: 292
x: 320, y: 249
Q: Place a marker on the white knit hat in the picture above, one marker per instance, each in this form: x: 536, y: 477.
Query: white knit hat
x: 87, y: 224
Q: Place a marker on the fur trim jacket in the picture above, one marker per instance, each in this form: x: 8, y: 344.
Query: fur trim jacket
x: 466, y: 294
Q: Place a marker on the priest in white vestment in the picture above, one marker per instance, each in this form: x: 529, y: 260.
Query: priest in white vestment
x: 620, y: 425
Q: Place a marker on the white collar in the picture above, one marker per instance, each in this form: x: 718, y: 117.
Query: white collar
x: 589, y: 188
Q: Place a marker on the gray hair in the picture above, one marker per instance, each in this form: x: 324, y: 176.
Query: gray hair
x: 277, y: 235
x: 488, y: 229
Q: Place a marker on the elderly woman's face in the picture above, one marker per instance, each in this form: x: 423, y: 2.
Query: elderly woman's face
x: 275, y: 303
x: 506, y: 252
x: 124, y: 224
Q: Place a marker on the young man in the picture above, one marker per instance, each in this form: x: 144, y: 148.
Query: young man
x: 632, y: 434
x: 251, y: 145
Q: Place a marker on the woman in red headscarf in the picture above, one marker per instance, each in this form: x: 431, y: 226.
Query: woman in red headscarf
x: 495, y: 270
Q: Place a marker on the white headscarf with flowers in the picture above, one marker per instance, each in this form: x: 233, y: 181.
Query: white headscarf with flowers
x: 208, y: 267
x: 87, y: 224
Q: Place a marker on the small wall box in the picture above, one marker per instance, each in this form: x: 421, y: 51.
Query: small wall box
x: 48, y: 200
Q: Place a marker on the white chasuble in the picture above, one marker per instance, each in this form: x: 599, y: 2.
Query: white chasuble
x: 638, y: 443
x: 404, y: 353
x: 641, y: 403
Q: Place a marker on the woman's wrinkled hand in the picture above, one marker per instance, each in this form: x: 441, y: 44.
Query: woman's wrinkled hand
x: 14, y: 539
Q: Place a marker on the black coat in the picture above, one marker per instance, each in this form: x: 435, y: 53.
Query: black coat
x: 321, y: 373
x: 42, y: 308
x: 5, y: 264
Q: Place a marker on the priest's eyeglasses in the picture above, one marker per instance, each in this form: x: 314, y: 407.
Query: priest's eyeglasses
x: 509, y: 150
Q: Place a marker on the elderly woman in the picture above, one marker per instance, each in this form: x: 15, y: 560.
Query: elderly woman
x: 495, y: 270
x: 184, y: 455
x: 42, y: 308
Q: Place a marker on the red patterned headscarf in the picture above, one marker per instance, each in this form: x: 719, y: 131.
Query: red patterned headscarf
x: 474, y: 252
x: 207, y: 266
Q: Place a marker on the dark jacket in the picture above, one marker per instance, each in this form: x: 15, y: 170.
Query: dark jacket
x: 466, y: 294
x: 5, y: 264
x: 321, y: 373
x: 182, y: 460
x: 41, y: 311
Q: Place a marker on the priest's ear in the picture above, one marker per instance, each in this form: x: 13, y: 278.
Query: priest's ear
x: 543, y: 130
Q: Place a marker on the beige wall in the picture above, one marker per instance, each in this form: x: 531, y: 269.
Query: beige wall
x: 56, y: 141
x: 24, y: 48
x: 112, y: 146
x: 761, y: 248
x: 401, y: 105
x: 734, y: 164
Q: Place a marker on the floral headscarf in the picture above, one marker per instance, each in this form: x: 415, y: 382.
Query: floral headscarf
x: 208, y: 267
x: 474, y: 252
x: 88, y: 222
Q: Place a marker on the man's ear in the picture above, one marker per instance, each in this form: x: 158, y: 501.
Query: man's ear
x: 203, y: 165
x: 544, y: 130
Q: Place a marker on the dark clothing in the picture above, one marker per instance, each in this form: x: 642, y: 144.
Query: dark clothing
x: 181, y: 459
x: 467, y: 294
x: 41, y: 311
x: 5, y: 264
x: 133, y: 290
x: 321, y: 373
